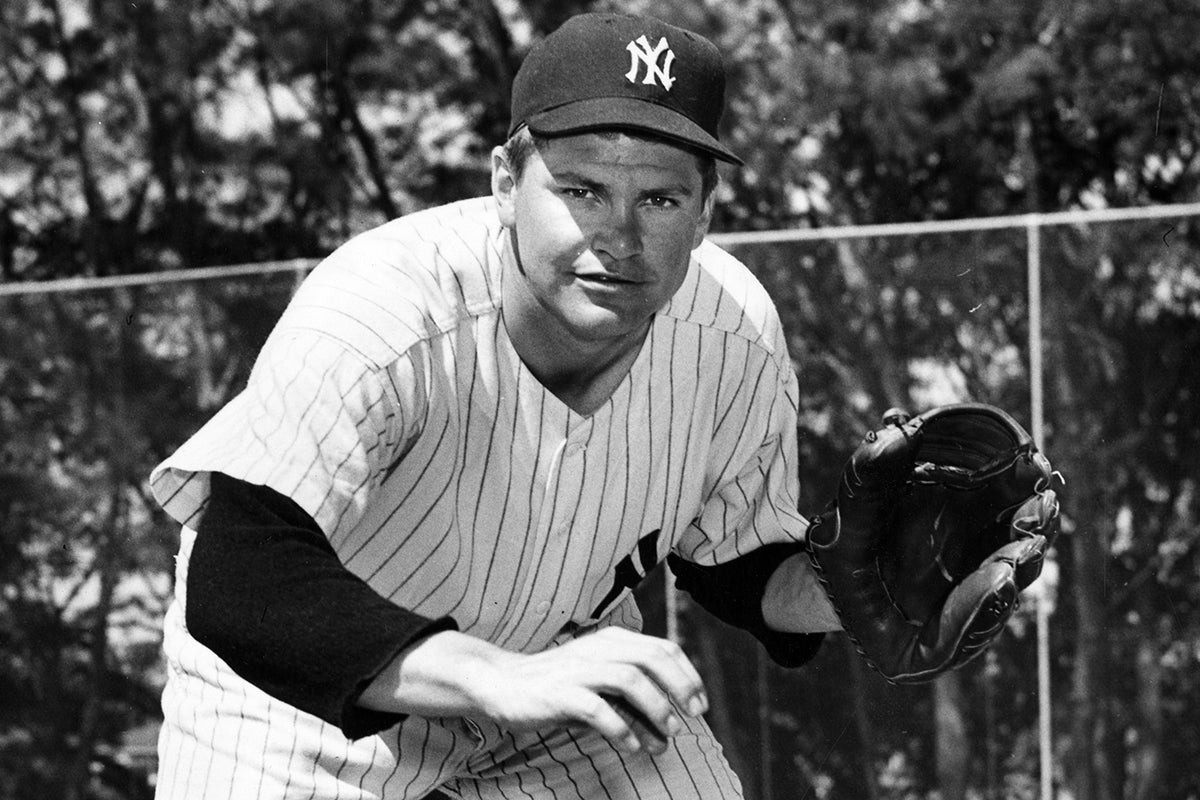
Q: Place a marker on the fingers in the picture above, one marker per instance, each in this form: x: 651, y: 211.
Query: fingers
x: 614, y: 719
x: 645, y: 683
x: 645, y: 734
x: 629, y: 687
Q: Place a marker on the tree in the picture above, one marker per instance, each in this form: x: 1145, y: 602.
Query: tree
x: 139, y: 138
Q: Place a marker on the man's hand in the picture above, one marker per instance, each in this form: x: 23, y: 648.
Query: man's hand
x: 627, y: 686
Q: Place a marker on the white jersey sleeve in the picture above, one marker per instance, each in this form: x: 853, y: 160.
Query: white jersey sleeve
x: 315, y: 423
x: 753, y: 489
x: 755, y: 501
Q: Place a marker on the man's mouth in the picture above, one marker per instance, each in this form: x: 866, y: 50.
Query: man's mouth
x: 606, y: 279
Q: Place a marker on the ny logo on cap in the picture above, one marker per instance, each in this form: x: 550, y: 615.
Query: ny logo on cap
x: 640, y: 52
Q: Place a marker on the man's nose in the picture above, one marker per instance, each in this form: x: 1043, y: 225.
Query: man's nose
x: 619, y: 234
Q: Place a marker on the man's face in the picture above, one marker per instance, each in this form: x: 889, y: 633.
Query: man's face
x: 604, y: 228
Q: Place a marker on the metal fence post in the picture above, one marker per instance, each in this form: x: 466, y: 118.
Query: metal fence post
x: 1045, y: 742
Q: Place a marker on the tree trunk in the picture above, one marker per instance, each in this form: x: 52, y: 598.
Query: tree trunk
x: 1077, y: 448
x: 109, y: 401
x: 862, y: 718
x: 347, y: 110
x: 1146, y: 761
x: 953, y: 751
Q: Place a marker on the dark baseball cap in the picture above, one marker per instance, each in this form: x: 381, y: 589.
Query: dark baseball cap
x: 602, y: 71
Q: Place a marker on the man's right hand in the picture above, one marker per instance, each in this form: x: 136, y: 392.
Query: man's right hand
x: 627, y: 686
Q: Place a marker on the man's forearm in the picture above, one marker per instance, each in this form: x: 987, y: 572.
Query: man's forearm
x: 442, y: 675
x: 630, y: 687
x: 794, y: 601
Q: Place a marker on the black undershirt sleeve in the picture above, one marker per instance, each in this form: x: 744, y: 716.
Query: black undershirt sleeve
x: 268, y: 594
x: 733, y: 592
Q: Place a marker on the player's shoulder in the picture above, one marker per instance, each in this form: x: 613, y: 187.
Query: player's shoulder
x: 411, y: 279
x: 721, y: 293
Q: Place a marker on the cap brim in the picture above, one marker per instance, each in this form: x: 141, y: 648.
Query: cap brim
x: 606, y: 113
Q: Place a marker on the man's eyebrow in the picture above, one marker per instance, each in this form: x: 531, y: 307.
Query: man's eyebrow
x: 574, y: 178
x: 675, y: 188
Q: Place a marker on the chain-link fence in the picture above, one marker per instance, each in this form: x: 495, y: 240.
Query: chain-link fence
x: 1085, y: 326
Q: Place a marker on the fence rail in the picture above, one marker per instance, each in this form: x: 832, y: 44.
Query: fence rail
x: 967, y: 225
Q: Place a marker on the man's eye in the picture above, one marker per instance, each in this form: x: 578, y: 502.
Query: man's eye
x: 576, y: 192
x: 662, y: 201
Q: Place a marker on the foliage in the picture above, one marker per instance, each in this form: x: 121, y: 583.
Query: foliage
x: 144, y: 137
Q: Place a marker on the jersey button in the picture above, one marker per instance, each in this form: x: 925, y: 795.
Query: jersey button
x: 543, y: 608
x: 574, y: 449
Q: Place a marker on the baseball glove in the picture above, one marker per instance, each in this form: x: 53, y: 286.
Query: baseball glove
x: 939, y: 522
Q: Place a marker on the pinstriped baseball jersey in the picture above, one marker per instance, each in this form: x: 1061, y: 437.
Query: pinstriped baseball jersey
x: 390, y: 404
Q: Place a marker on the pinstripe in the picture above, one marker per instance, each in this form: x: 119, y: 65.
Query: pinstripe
x: 502, y: 521
x: 521, y: 786
x: 473, y: 413
x: 684, y: 441
x: 285, y: 393
x: 566, y: 546
x: 481, y: 263
x: 438, y: 254
x: 196, y: 754
x: 362, y: 776
x: 541, y: 773
x: 549, y: 751
x: 420, y: 768
x: 420, y: 600
x: 337, y: 776
x: 391, y: 405
x: 595, y: 537
x: 733, y: 396
x: 651, y: 401
x: 527, y: 588
x: 287, y: 784
x: 384, y: 563
x: 382, y: 529
x: 313, y: 781
x: 692, y: 761
x: 502, y: 633
x: 628, y: 776
x: 171, y: 742
x: 207, y: 754
x: 393, y: 318
x: 658, y: 773
x: 591, y: 762
x: 177, y: 762
x: 262, y: 755
x: 313, y: 463
x: 240, y: 731
x: 716, y: 771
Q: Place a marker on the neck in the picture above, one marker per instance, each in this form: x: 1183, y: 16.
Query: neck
x: 583, y: 374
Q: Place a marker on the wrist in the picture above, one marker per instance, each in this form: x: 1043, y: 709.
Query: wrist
x: 794, y: 601
x: 439, y: 675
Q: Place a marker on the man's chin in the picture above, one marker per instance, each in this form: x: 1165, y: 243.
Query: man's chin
x: 605, y: 326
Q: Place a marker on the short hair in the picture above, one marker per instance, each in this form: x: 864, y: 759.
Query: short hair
x: 523, y: 142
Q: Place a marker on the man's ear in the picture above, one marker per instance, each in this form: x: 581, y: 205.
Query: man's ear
x: 504, y: 187
x: 705, y: 219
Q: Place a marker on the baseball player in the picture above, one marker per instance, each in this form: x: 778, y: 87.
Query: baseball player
x: 409, y: 545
